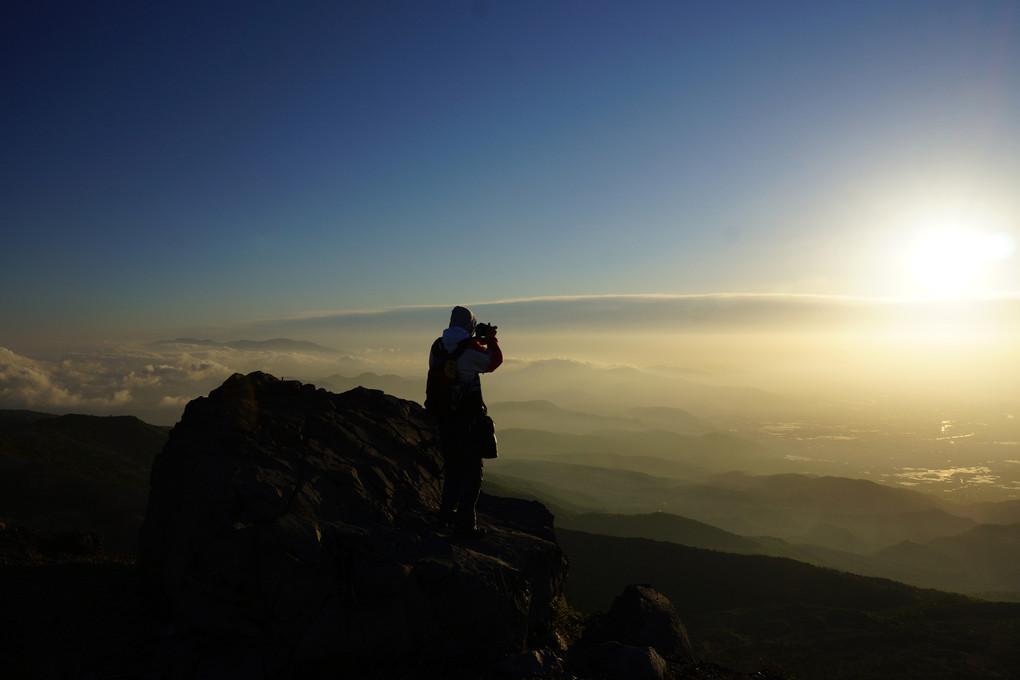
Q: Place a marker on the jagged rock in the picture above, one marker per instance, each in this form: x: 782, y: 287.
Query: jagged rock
x: 290, y: 533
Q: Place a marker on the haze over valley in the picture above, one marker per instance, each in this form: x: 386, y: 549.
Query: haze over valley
x: 788, y: 384
x: 901, y: 485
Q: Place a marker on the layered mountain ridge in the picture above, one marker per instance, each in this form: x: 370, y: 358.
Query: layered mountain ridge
x: 289, y: 531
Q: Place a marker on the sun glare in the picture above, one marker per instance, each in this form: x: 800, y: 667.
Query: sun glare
x: 946, y: 261
x: 956, y: 256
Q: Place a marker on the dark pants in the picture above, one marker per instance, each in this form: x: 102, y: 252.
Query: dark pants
x: 462, y: 481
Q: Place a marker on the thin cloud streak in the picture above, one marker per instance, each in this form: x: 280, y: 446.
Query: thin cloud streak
x: 716, y: 311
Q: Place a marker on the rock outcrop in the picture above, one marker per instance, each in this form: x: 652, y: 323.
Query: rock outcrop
x: 290, y: 533
x: 641, y: 636
x: 644, y: 617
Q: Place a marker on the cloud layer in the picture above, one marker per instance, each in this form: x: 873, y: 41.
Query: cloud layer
x: 791, y: 343
x: 667, y: 313
x: 153, y: 381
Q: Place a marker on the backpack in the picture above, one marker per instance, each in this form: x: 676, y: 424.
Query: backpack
x: 441, y: 389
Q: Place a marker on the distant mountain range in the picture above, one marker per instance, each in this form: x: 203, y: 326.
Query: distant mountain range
x: 541, y: 414
x: 276, y: 345
x: 981, y: 560
x: 852, y: 525
x: 786, y: 505
x: 759, y: 566
x: 606, y: 388
x: 412, y: 389
x: 651, y: 400
x: 92, y: 472
x: 702, y: 454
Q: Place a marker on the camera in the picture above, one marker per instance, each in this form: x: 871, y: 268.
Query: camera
x: 484, y: 330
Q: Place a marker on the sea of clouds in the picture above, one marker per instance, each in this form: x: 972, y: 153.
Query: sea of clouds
x: 153, y: 381
x: 156, y: 380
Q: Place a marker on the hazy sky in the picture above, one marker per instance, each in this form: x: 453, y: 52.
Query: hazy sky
x: 178, y: 167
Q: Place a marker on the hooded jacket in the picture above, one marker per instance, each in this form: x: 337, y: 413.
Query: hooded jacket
x: 475, y: 359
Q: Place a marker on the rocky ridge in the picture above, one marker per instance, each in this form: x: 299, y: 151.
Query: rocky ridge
x: 291, y: 531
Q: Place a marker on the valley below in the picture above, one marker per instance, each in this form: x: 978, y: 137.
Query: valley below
x: 870, y: 546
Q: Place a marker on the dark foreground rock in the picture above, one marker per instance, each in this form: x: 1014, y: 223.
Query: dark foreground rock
x: 290, y: 533
x: 642, y: 616
x: 70, y: 610
x: 640, y: 637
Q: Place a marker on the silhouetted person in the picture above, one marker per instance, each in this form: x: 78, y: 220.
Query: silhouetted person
x: 462, y: 417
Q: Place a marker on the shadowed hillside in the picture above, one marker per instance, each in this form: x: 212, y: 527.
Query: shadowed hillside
x: 836, y: 513
x: 544, y: 415
x: 660, y: 526
x: 816, y: 623
x: 77, y: 472
x: 659, y: 452
x: 852, y: 525
x: 255, y: 491
x: 71, y: 611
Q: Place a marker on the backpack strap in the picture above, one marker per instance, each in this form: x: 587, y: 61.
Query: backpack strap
x: 461, y: 346
x: 439, y: 349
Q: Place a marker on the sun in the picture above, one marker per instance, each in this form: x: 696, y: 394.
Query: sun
x: 946, y: 261
x: 941, y: 237
x: 951, y: 260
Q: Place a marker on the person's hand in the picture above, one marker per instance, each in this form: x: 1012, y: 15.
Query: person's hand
x: 486, y: 333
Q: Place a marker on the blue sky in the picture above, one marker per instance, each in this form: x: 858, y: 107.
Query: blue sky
x: 174, y: 167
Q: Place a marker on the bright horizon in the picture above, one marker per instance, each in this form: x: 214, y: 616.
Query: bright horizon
x: 932, y: 354
x: 788, y: 195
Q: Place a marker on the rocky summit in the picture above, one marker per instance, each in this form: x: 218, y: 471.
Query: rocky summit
x: 290, y: 533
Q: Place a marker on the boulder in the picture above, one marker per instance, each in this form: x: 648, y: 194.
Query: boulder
x: 641, y: 636
x: 290, y: 533
x: 641, y: 616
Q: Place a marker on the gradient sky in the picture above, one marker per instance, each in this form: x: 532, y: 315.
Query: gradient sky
x: 168, y: 167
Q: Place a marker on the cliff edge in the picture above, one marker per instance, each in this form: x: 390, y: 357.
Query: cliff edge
x: 290, y: 532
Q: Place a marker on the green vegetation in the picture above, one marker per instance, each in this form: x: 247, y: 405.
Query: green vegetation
x: 562, y: 627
